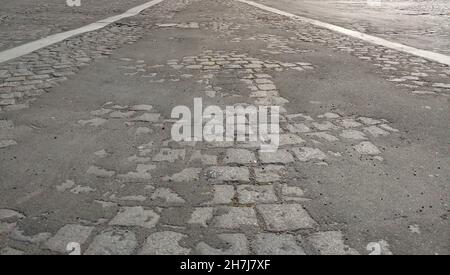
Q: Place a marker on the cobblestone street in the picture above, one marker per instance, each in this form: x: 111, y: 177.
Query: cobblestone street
x: 87, y: 153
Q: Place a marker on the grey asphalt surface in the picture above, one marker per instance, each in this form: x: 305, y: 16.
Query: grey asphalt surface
x: 86, y: 153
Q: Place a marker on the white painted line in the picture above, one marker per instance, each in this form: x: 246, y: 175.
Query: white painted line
x: 55, y: 38
x: 437, y: 57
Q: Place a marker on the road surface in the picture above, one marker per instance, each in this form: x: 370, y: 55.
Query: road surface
x: 87, y: 155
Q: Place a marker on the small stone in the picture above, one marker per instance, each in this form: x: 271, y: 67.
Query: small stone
x: 141, y: 173
x: 441, y: 85
x: 236, y: 244
x: 186, y: 175
x: 249, y: 194
x: 204, y: 158
x: 292, y: 193
x: 201, y: 216
x: 290, y: 139
x: 367, y: 148
x: 65, y: 186
x: 389, y: 128
x: 298, y: 128
x: 329, y: 116
x: 239, y: 156
x: 307, y: 154
x: 268, y: 173
x: 353, y: 134
x: 100, y: 172
x: 136, y: 216
x: 285, y: 217
x: 375, y: 131
x: 279, y: 156
x: 226, y: 173
x: 101, y: 154
x: 330, y: 243
x: 325, y: 136
x: 164, y: 243
x: 113, y: 242
x: 168, y: 196
x: 223, y: 194
x: 369, y: 121
x: 274, y: 244
x: 350, y: 123
x: 170, y: 155
x: 69, y: 233
x: 235, y: 217
x: 325, y: 126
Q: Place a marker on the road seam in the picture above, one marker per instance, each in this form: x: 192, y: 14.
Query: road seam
x: 437, y: 57
x: 55, y: 38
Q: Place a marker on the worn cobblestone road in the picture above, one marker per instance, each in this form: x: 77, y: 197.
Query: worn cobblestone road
x: 87, y: 156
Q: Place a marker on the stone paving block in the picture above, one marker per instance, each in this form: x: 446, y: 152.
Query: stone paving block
x: 167, y: 195
x: 269, y: 173
x: 67, y: 234
x: 367, y: 148
x: 236, y: 244
x: 330, y: 243
x: 223, y: 194
x: 228, y: 173
x: 276, y: 244
x: 135, y: 216
x: 201, y: 216
x: 308, y: 153
x: 285, y: 217
x: 239, y: 156
x: 170, y: 155
x: 235, y: 217
x: 164, y: 243
x: 113, y: 242
x: 256, y: 194
x: 279, y: 156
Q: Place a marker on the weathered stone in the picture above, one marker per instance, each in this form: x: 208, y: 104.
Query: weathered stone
x: 100, y: 172
x: 201, y: 216
x: 167, y: 195
x: 113, y: 242
x: 256, y: 194
x: 367, y: 148
x: 285, y: 217
x: 236, y: 244
x: 186, y: 175
x: 136, y: 216
x: 269, y: 173
x: 226, y: 173
x: 275, y: 244
x: 353, y: 134
x: 239, y: 156
x: 330, y: 243
x: 235, y: 217
x: 69, y: 233
x: 223, y: 194
x: 170, y: 155
x: 164, y: 243
x: 279, y: 156
x: 307, y: 154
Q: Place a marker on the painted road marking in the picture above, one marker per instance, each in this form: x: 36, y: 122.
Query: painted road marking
x: 55, y: 38
x: 437, y: 57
